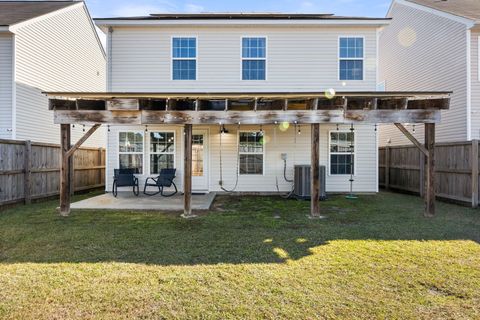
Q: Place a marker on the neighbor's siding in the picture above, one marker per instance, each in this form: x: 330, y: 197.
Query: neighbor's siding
x: 435, y: 61
x: 298, y: 59
x: 58, y: 53
x: 475, y: 85
x: 296, y: 146
x: 6, y: 46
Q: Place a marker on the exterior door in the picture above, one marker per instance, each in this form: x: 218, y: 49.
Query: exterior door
x: 200, y: 161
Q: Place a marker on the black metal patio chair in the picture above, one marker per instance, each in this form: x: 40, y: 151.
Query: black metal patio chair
x: 125, y: 178
x: 164, y: 180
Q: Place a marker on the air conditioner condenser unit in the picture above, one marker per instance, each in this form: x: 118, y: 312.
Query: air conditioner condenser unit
x: 301, y: 182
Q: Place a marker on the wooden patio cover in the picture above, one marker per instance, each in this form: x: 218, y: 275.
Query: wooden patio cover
x: 188, y: 109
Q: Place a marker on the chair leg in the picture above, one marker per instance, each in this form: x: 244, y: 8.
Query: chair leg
x: 171, y: 194
x: 136, y: 190
x: 115, y: 189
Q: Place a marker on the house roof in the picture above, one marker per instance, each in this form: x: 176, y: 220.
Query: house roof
x: 13, y: 12
x: 241, y: 16
x: 469, y: 9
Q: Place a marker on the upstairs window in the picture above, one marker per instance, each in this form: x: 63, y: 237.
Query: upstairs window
x: 251, y: 153
x: 351, y: 54
x: 342, y: 153
x: 254, y: 53
x: 184, y: 58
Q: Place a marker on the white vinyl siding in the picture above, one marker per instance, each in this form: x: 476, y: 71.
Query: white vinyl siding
x: 298, y: 58
x: 56, y: 53
x: 475, y: 84
x: 420, y: 51
x: 6, y: 81
x: 297, y: 146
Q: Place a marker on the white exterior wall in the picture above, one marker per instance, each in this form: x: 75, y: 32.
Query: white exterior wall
x: 6, y: 68
x: 298, y: 59
x: 421, y: 51
x: 296, y: 146
x: 58, y: 52
x: 475, y: 84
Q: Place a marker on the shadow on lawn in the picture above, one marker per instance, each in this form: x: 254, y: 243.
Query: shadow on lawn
x: 241, y: 230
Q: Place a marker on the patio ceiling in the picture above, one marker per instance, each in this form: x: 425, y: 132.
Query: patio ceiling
x: 247, y: 108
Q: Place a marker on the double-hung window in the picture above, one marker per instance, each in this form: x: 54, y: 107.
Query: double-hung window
x: 342, y: 152
x: 351, y: 54
x: 251, y: 152
x: 162, y: 151
x: 254, y: 58
x: 184, y: 58
x: 130, y: 151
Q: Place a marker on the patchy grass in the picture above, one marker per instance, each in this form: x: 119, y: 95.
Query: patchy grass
x: 375, y: 257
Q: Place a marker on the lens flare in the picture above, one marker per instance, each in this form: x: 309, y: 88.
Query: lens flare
x: 265, y: 139
x: 330, y: 93
x: 284, y: 126
x: 407, y: 37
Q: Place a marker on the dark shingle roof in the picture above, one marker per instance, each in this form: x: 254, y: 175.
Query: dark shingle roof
x: 469, y: 9
x: 13, y: 12
x: 241, y: 16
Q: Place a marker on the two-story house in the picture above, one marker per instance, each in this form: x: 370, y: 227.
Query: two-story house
x: 434, y: 45
x: 244, y: 53
x: 45, y: 46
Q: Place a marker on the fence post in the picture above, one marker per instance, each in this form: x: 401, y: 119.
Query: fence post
x: 474, y: 162
x: 27, y: 184
x: 71, y: 160
x: 422, y: 174
x: 387, y: 167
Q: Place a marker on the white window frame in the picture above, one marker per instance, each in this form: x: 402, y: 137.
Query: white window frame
x: 153, y: 153
x: 250, y: 153
x: 173, y: 59
x: 259, y: 59
x: 341, y: 153
x: 141, y: 153
x: 351, y: 59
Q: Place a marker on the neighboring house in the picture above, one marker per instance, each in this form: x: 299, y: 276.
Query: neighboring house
x: 45, y: 46
x: 434, y: 45
x: 243, y: 53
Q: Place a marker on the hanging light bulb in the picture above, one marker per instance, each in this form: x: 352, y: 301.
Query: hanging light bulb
x: 413, y: 128
x: 337, y: 127
x: 146, y: 128
x: 73, y: 126
x: 108, y: 128
x: 299, y: 130
x: 261, y: 130
x: 83, y: 128
x: 375, y: 127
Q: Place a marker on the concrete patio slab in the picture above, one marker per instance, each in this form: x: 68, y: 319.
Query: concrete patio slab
x: 128, y: 201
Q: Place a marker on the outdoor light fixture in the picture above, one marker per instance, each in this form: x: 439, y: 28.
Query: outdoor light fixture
x: 223, y: 130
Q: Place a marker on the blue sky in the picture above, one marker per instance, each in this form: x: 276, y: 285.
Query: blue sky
x: 109, y: 8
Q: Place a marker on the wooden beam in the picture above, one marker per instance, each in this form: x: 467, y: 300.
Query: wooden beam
x: 187, y: 173
x: 475, y: 169
x: 64, y: 170
x: 315, y: 172
x: 410, y: 137
x: 82, y: 140
x: 146, y: 117
x: 430, y: 170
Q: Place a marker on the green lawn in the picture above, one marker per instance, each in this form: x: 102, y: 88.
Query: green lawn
x: 375, y: 257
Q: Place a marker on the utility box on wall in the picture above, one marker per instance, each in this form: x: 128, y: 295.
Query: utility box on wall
x: 302, y: 182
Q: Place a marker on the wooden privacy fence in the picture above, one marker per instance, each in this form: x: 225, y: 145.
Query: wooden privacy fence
x: 31, y: 170
x: 457, y: 170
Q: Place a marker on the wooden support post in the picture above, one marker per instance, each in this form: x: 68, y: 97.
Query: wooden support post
x: 64, y: 170
x: 71, y: 166
x: 315, y: 172
x: 474, y: 161
x: 187, y: 173
x: 27, y: 185
x: 422, y: 175
x: 430, y: 170
x: 387, y: 167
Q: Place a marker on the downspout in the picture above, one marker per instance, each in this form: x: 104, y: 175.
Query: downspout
x: 109, y: 59
x: 469, y: 84
x: 14, y: 87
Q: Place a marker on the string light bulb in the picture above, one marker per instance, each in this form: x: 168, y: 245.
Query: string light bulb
x: 83, y: 128
x: 108, y: 128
